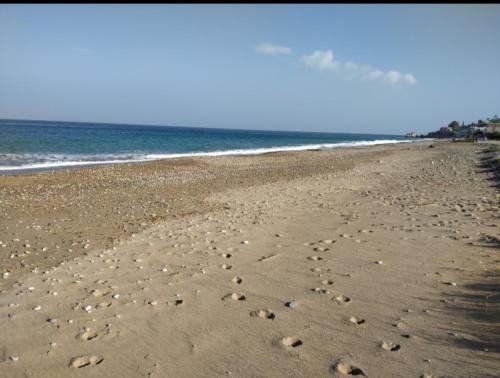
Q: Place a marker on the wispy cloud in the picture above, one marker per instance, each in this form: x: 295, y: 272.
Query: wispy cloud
x: 322, y: 60
x: 396, y: 77
x: 374, y: 74
x: 271, y: 49
x: 325, y: 60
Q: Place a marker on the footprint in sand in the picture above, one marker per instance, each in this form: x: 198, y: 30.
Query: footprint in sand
x: 327, y: 282
x: 390, y: 346
x: 315, y: 258
x: 347, y: 369
x: 97, y: 293
x: 321, y: 290
x: 320, y: 249
x: 341, y: 299
x: 87, y: 335
x: 226, y: 255
x: 264, y: 258
x: 328, y: 241
x: 357, y: 321
x: 291, y: 342
x: 235, y: 296
x: 226, y: 266
x: 408, y: 336
x: 82, y: 361
x: 237, y: 280
x: 103, y: 305
x: 264, y: 314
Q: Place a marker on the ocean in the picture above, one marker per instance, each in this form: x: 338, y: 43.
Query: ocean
x: 28, y: 144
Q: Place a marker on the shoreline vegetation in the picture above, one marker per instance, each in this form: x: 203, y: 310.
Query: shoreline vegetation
x: 369, y: 261
x: 470, y: 132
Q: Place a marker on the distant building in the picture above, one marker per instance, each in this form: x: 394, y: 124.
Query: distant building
x: 411, y: 134
x: 479, y: 128
x: 491, y: 128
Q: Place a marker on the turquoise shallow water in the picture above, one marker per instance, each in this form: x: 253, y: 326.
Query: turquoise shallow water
x: 45, y: 144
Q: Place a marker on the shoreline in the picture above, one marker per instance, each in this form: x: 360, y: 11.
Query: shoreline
x: 41, y: 167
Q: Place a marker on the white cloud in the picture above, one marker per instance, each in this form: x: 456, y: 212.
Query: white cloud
x: 351, y: 66
x: 270, y: 49
x: 325, y: 60
x: 321, y: 60
x: 409, y: 78
x: 393, y: 76
x: 374, y: 74
x: 397, y: 77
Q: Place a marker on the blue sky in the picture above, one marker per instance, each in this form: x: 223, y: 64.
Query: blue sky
x: 338, y: 68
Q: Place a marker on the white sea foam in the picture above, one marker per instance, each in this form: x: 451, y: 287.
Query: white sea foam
x: 61, y: 161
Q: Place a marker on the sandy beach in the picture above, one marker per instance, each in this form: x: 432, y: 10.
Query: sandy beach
x: 377, y: 262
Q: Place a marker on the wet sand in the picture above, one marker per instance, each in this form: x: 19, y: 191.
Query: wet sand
x: 379, y: 261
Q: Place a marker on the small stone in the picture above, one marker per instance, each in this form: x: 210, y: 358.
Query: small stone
x: 37, y: 308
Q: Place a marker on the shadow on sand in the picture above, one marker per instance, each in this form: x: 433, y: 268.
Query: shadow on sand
x: 490, y: 164
x: 477, y: 305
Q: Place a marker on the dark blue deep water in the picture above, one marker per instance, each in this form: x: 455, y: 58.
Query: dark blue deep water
x: 46, y: 144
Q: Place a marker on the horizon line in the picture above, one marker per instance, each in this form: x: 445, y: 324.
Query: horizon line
x: 195, y: 127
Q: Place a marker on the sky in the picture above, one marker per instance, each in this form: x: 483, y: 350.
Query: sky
x: 325, y: 67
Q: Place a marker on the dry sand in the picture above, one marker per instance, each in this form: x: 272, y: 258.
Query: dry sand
x: 380, y: 262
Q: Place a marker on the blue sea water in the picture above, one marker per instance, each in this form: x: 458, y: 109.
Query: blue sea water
x: 26, y: 144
